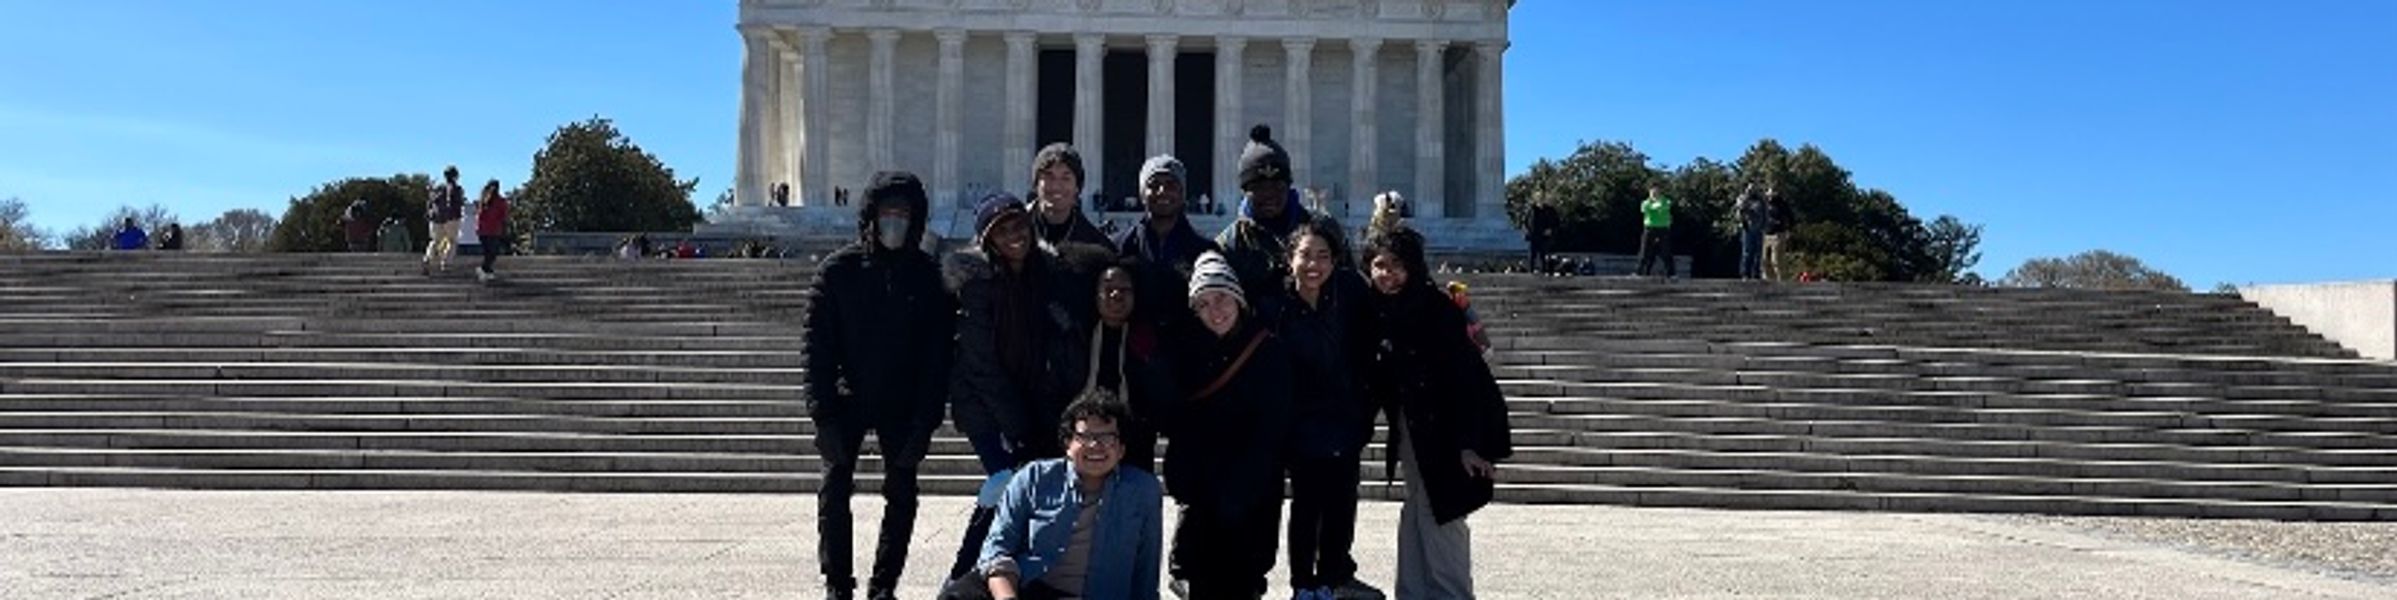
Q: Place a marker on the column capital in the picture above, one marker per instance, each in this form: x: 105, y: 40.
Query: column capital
x: 1299, y: 45
x: 949, y: 36
x: 1491, y: 48
x: 814, y: 35
x: 1163, y: 44
x: 1430, y: 46
x: 1019, y: 39
x: 882, y: 37
x: 1090, y: 42
x: 757, y: 33
x: 1230, y: 43
x: 1365, y: 45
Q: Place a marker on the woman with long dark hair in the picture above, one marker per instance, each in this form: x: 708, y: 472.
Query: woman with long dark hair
x: 491, y: 227
x: 1448, y: 418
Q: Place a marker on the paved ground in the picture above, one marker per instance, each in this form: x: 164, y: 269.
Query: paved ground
x: 71, y: 543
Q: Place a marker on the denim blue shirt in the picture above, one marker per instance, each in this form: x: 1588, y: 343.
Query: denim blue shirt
x: 1036, y: 521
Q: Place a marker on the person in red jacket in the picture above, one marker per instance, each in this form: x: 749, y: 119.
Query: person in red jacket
x: 491, y: 225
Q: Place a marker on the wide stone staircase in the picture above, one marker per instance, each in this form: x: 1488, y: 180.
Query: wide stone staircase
x: 579, y: 374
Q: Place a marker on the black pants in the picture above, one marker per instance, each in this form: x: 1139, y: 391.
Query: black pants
x: 1323, y: 521
x: 1539, y: 255
x: 1225, y: 549
x: 903, y: 451
x: 977, y: 587
x: 491, y: 248
x: 1656, y: 243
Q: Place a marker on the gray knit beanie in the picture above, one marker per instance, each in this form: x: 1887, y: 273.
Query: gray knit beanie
x: 1213, y: 273
x: 1164, y: 164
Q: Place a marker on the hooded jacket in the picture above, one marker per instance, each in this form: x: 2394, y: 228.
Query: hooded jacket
x: 987, y: 398
x: 879, y: 329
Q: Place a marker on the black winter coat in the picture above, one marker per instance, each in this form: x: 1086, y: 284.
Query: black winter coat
x: 1161, y: 270
x: 1226, y: 448
x: 1330, y: 344
x: 984, y: 397
x: 879, y: 333
x: 1428, y: 372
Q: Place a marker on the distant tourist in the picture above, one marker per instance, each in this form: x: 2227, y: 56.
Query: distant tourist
x: 1269, y: 213
x: 879, y: 333
x: 1083, y: 526
x: 393, y: 236
x: 1755, y: 216
x: 1776, y: 236
x: 491, y: 227
x: 1448, y: 420
x: 171, y: 240
x: 1057, y: 181
x: 1656, y: 232
x: 684, y: 249
x: 782, y: 194
x: 1541, y: 232
x: 1457, y: 292
x: 442, y: 212
x: 358, y: 226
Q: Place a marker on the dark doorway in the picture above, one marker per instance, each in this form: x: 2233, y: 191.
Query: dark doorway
x: 1124, y: 125
x: 1053, y: 120
x: 1194, y: 120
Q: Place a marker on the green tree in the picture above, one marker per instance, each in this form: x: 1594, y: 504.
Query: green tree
x: 151, y: 219
x: 1955, y: 247
x: 17, y: 233
x: 2093, y: 270
x: 312, y: 223
x: 238, y: 230
x: 1597, y: 192
x: 590, y: 177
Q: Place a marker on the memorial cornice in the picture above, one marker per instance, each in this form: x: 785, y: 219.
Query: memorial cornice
x: 1463, y: 21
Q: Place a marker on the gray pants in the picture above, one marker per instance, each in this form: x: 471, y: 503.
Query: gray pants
x: 1435, y: 562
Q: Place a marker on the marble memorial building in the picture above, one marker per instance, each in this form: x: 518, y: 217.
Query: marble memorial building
x: 1368, y: 95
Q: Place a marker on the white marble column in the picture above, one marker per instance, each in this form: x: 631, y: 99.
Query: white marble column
x: 1297, y: 132
x: 1231, y: 127
x: 788, y: 114
x: 950, y: 127
x: 1162, y: 49
x: 815, y: 125
x: 1430, y: 118
x: 1364, y: 165
x: 880, y: 100
x: 757, y: 62
x: 1489, y: 110
x: 1089, y: 49
x: 1016, y: 148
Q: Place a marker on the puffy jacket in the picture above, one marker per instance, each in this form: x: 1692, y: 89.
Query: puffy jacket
x: 492, y: 218
x: 879, y: 332
x: 1258, y: 249
x: 1161, y: 269
x: 1227, y: 448
x: 1429, y: 373
x: 984, y: 396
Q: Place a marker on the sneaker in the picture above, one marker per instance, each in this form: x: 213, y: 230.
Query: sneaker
x: 485, y: 275
x: 1354, y: 590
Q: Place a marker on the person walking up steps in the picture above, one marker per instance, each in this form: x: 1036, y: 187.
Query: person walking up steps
x: 443, y: 210
x: 491, y: 227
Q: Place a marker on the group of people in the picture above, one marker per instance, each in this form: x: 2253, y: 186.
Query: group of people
x: 1765, y: 221
x: 446, y: 208
x: 1263, y: 355
x: 130, y: 236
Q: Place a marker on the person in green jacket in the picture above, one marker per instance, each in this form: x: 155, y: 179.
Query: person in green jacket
x: 1656, y: 232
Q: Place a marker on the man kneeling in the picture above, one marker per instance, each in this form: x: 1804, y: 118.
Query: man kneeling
x: 1074, y: 527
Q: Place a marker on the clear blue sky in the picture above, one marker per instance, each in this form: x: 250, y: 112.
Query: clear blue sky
x: 2220, y: 141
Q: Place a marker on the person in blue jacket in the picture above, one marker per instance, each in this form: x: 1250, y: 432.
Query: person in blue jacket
x: 1083, y: 526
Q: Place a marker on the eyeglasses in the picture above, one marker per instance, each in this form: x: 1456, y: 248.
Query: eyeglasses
x: 1099, y: 438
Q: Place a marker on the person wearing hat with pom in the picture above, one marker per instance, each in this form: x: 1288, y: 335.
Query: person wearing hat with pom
x: 1229, y: 427
x: 879, y: 333
x: 1269, y: 212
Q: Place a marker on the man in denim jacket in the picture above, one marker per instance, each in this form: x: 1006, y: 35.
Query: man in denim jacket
x: 1063, y: 524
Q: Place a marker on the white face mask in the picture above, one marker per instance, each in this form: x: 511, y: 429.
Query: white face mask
x: 892, y: 231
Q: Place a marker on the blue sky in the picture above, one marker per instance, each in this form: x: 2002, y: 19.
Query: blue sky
x: 2219, y: 141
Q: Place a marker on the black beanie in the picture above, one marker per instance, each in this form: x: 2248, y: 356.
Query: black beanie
x: 1263, y: 159
x: 1059, y: 153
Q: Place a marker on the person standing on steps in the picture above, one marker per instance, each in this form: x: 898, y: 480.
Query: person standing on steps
x: 1082, y: 526
x: 491, y: 227
x: 1776, y: 236
x: 1163, y: 246
x: 1269, y: 212
x: 1321, y: 315
x: 171, y: 240
x: 880, y: 330
x: 1755, y: 216
x: 1542, y: 232
x: 1229, y: 434
x: 1057, y: 181
x: 1448, y: 419
x: 1656, y: 232
x: 443, y: 210
x: 358, y: 226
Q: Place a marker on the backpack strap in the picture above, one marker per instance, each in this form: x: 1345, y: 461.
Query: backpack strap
x: 1237, y: 362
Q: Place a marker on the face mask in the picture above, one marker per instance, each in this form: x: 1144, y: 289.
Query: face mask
x: 892, y: 231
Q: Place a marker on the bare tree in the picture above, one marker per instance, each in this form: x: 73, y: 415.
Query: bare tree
x: 2095, y: 270
x: 17, y: 233
x: 151, y: 219
x: 238, y: 230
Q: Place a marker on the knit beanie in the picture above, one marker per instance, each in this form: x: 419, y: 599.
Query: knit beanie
x: 1264, y: 159
x: 1060, y: 153
x: 1163, y: 164
x: 896, y: 186
x: 997, y: 205
x: 1213, y: 273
